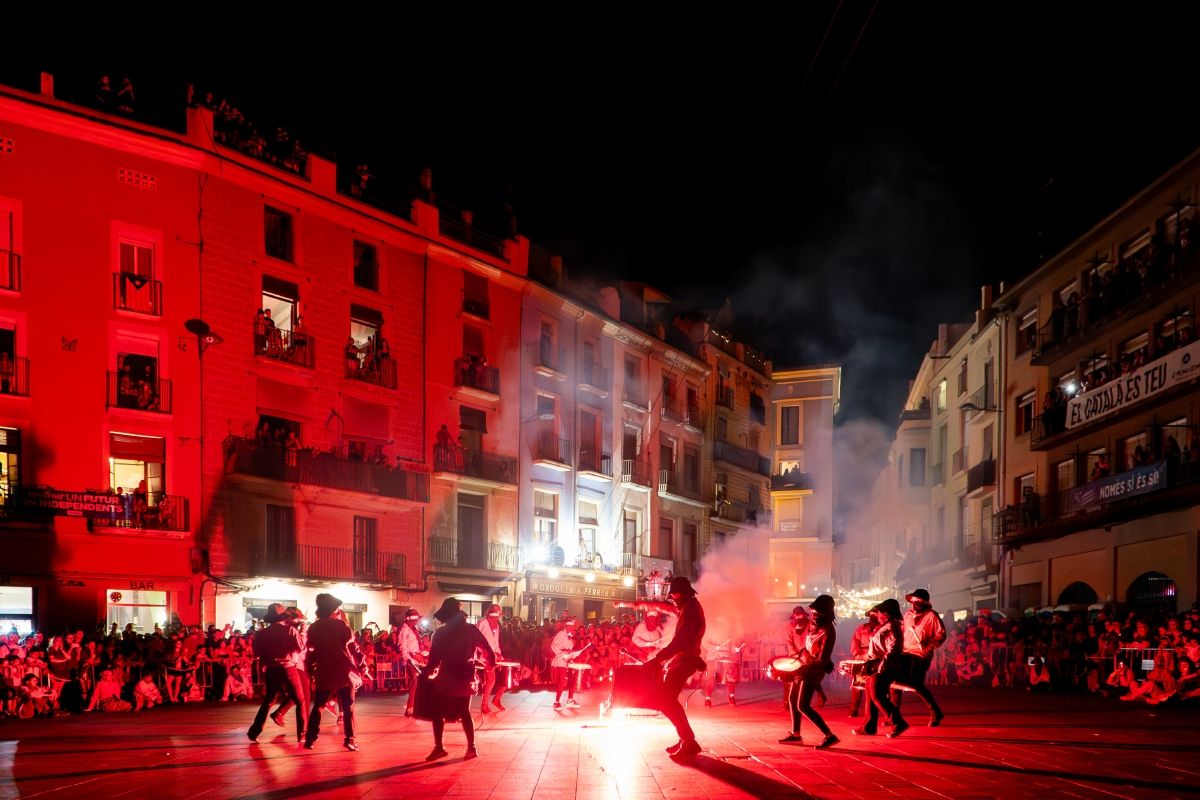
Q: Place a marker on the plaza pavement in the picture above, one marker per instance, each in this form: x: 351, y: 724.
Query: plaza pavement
x: 993, y: 744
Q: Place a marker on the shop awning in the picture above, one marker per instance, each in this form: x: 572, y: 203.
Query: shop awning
x: 472, y: 588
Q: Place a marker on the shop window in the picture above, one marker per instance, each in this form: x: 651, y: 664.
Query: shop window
x: 16, y: 609
x: 142, y: 609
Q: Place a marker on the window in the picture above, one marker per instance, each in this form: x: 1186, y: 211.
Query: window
x: 942, y: 395
x: 687, y: 544
x: 989, y: 433
x: 137, y: 467
x: 962, y: 377
x: 1064, y: 474
x: 1137, y: 450
x: 277, y: 233
x: 631, y: 543
x: 633, y: 380
x: 722, y: 429
x: 366, y: 266
x: 137, y: 258
x: 10, y: 259
x: 916, y: 466
x: 136, y: 289
x: 280, y: 301
x: 588, y: 523
x: 136, y: 385
x: 546, y: 412
x: 1024, y: 420
x: 590, y: 457
x: 1068, y: 384
x: 691, y: 468
x: 366, y: 548
x: 1174, y: 331
x: 1027, y: 331
x: 789, y: 425
x: 473, y: 341
x: 280, y: 549
x: 758, y: 408
x: 1098, y: 465
x: 1026, y: 482
x: 10, y: 473
x: 1135, y: 352
x: 365, y: 325
x: 475, y: 295
x: 545, y: 518
x: 900, y: 471
x: 1133, y: 248
x: 547, y: 354
x: 663, y: 539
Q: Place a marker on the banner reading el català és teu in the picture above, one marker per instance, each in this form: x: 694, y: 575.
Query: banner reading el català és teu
x: 1173, y: 369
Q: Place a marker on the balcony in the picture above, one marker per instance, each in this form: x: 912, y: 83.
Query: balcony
x: 923, y: 560
x: 1134, y: 494
x: 473, y: 373
x: 484, y: 467
x: 634, y: 397
x: 316, y: 563
x: 792, y: 481
x: 631, y: 563
x: 725, y: 396
x: 162, y: 512
x: 124, y: 391
x: 477, y: 307
x: 470, y: 235
x: 635, y: 474
x: 234, y: 133
x: 288, y: 347
x: 447, y: 551
x: 379, y: 371
x: 10, y: 271
x: 741, y: 457
x: 596, y: 464
x: 740, y: 513
x: 248, y: 457
x: 593, y: 378
x: 980, y: 555
x: 553, y: 452
x: 14, y: 375
x: 984, y: 399
x: 678, y: 485
x: 673, y: 409
x: 694, y: 419
x: 981, y: 476
x: 137, y: 294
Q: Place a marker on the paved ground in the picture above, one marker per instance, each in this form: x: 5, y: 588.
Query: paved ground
x: 1001, y: 744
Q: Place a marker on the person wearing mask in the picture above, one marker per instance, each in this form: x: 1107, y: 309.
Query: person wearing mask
x: 924, y: 632
x: 885, y: 662
x: 276, y: 647
x: 816, y: 661
x: 489, y: 626
x: 412, y: 654
x: 649, y: 636
x: 681, y: 659
x: 445, y: 688
x: 860, y: 643
x: 565, y: 651
x: 333, y: 656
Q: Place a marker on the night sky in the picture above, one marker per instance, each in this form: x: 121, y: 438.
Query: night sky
x: 847, y: 174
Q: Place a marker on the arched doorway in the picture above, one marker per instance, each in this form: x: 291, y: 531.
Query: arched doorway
x: 1152, y: 590
x: 1077, y: 593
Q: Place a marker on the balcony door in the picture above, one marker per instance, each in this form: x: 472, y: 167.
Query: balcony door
x: 472, y: 542
x: 279, y: 551
x: 366, y: 548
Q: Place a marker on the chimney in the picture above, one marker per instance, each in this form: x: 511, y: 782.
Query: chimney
x: 985, y: 296
x: 556, y: 269
x: 47, y: 84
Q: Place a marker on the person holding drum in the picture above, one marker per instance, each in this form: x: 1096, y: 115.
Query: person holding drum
x: 885, y: 664
x: 489, y: 626
x: 649, y: 636
x: 924, y: 632
x: 564, y: 653
x: 860, y: 643
x: 816, y: 661
x: 725, y: 660
x: 412, y: 654
x: 794, y: 637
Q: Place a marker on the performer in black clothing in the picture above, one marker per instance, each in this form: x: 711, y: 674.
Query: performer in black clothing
x: 682, y: 660
x: 444, y: 691
x: 276, y: 646
x: 816, y: 661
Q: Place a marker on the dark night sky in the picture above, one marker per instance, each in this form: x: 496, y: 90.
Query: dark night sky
x: 846, y: 201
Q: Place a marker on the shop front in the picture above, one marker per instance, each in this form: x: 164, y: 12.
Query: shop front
x: 364, y: 606
x: 585, y: 595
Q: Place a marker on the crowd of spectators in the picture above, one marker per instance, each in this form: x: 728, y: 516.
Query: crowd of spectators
x: 1137, y: 656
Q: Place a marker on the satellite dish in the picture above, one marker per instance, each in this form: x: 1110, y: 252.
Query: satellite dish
x: 197, y: 327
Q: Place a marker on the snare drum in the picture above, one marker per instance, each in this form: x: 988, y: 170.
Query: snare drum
x: 785, y: 668
x: 728, y: 671
x: 855, y: 668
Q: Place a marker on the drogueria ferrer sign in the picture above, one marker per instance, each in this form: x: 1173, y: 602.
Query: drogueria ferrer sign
x: 1173, y: 369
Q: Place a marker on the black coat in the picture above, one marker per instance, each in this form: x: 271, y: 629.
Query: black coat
x: 453, y: 647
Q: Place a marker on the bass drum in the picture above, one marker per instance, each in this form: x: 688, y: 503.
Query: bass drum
x: 637, y: 686
x: 785, y: 668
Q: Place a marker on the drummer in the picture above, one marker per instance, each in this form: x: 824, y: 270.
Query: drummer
x: 724, y: 666
x: 794, y: 638
x: 489, y: 626
x: 565, y: 652
x: 650, y: 636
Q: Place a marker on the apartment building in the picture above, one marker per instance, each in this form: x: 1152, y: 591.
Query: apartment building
x: 803, y: 403
x: 1098, y: 495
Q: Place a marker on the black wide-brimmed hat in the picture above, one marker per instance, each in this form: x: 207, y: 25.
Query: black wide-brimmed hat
x: 275, y: 612
x: 681, y: 585
x: 450, y: 607
x: 327, y: 604
x: 891, y: 607
x: 920, y: 594
x: 822, y: 605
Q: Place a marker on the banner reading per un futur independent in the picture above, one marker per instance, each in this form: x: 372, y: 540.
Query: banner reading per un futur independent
x: 1179, y: 366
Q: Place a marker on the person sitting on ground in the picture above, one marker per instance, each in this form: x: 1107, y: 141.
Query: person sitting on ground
x: 237, y: 684
x: 146, y: 693
x: 107, y: 694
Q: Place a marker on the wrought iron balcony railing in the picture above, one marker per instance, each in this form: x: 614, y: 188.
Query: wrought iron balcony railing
x: 470, y: 235
x: 291, y: 347
x: 679, y: 483
x: 592, y: 461
x: 380, y: 371
x: 593, y: 376
x: 447, y: 551
x: 981, y: 475
x: 313, y: 562
x: 485, y: 466
x: 741, y: 457
x: 792, y: 480
x: 126, y: 391
x: 250, y: 457
x: 476, y: 374
x: 548, y: 447
x: 634, y: 395
x: 137, y: 293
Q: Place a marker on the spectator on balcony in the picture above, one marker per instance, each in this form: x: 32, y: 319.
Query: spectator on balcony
x: 139, y: 504
x: 104, y: 93
x: 362, y: 175
x: 125, y: 98
x: 1071, y: 315
x: 147, y: 396
x: 1101, y: 468
x: 350, y: 353
x: 291, y: 448
x: 298, y: 344
x: 274, y: 336
x: 1031, y: 507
